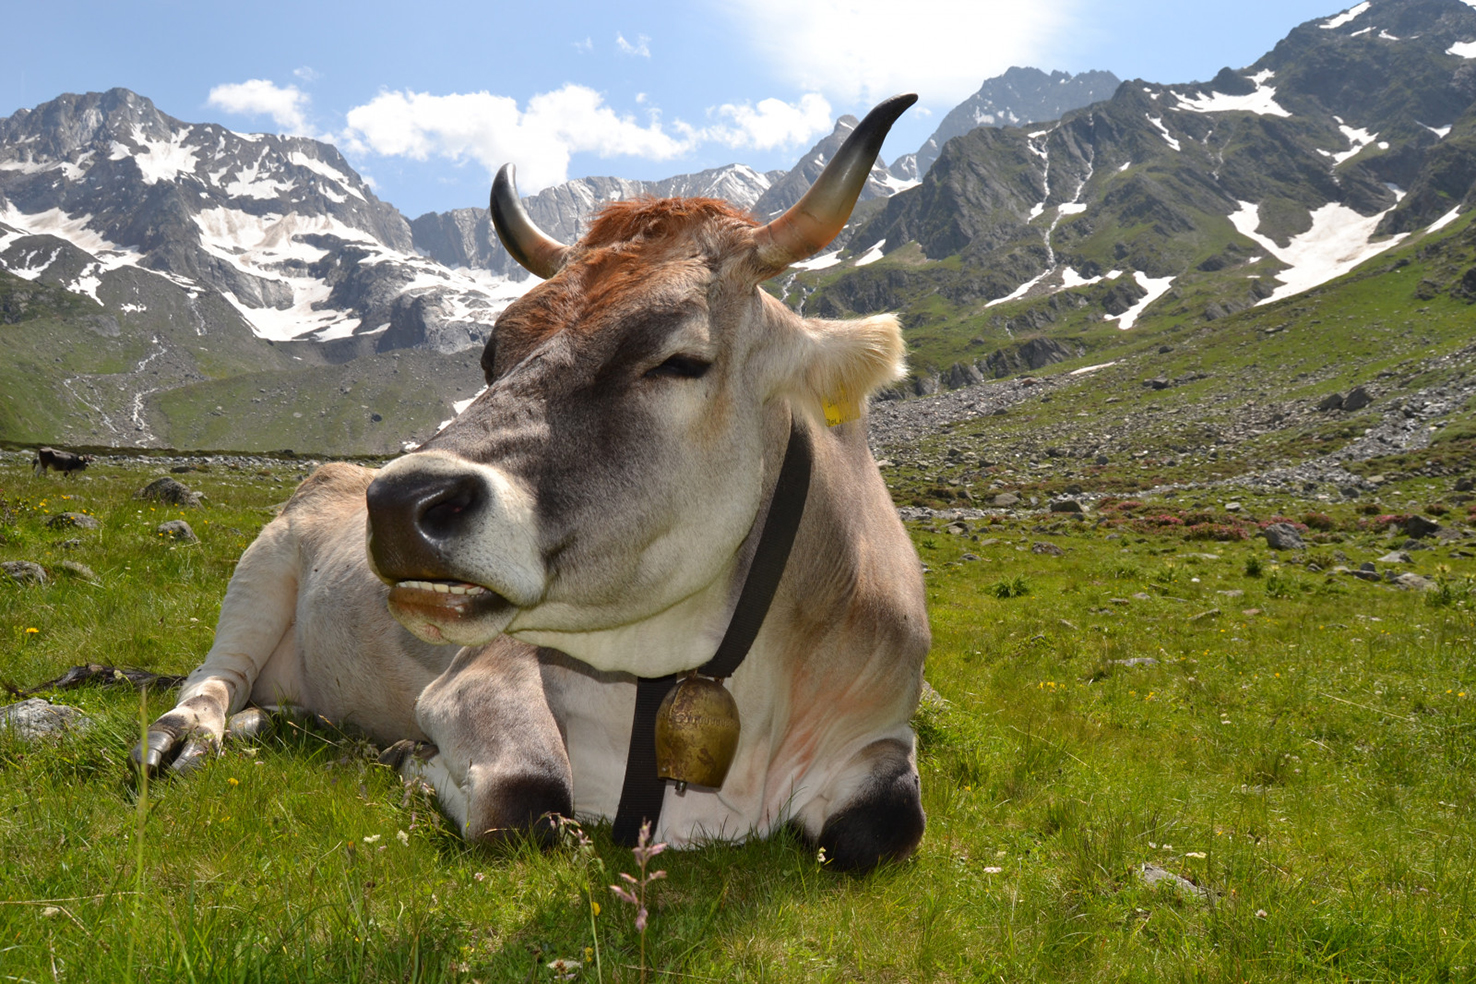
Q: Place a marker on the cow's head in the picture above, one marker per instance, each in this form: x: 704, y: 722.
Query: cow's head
x: 635, y: 415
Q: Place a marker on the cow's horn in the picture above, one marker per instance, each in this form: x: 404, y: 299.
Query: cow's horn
x: 817, y: 218
x: 534, y: 251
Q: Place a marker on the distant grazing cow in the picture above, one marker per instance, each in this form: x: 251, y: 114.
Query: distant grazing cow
x: 63, y: 461
x: 656, y: 432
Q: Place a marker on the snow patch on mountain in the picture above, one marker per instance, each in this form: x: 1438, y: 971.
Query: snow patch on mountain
x: 1338, y: 241
x: 1346, y: 17
x: 1156, y: 288
x: 1466, y: 49
x: 1262, y: 101
x: 1163, y: 131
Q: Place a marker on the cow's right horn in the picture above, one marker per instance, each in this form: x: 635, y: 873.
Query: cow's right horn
x: 534, y: 251
x: 817, y: 218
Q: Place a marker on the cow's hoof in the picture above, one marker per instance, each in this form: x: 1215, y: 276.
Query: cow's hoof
x: 196, y: 752
x: 151, y: 755
x: 248, y: 725
x: 884, y: 823
x: 401, y: 751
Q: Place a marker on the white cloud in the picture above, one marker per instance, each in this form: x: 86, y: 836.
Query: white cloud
x: 584, y: 47
x: 857, y: 51
x: 773, y: 123
x: 493, y: 130
x: 307, y: 73
x: 286, y: 106
x: 641, y: 48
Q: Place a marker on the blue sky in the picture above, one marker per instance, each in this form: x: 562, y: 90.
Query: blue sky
x: 428, y: 99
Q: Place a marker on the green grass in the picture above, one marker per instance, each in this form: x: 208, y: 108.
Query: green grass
x: 1303, y: 750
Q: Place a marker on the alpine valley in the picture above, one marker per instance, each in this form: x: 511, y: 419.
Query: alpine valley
x: 1217, y: 256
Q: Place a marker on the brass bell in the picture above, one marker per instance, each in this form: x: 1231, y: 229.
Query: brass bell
x: 696, y: 733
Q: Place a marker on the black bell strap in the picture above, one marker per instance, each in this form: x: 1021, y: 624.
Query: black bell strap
x: 642, y: 793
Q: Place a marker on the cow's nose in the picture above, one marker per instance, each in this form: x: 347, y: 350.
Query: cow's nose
x: 412, y: 519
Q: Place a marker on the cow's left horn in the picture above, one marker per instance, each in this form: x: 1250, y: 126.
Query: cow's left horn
x: 817, y: 218
x: 534, y: 251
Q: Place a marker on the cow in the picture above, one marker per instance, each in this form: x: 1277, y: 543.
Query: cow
x: 63, y: 461
x: 604, y: 499
x: 665, y: 459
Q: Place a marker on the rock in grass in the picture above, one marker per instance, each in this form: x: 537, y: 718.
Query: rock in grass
x: 1396, y: 557
x: 1066, y: 506
x: 76, y: 569
x: 1006, y: 499
x: 25, y: 572
x: 1152, y: 874
x: 1049, y: 549
x: 170, y: 492
x: 1283, y: 536
x: 38, y: 718
x: 1419, y: 527
x: 177, y: 529
x: 67, y: 520
x: 1411, y: 581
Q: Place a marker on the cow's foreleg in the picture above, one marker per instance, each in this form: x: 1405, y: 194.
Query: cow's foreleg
x: 877, y: 812
x: 255, y: 628
x: 499, y: 766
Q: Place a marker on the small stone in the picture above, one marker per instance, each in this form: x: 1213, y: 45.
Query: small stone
x: 1006, y: 499
x: 170, y: 492
x: 1049, y: 549
x: 1232, y: 507
x: 38, y: 718
x: 1283, y: 536
x: 1357, y: 399
x: 25, y: 572
x: 1419, y: 527
x: 1065, y: 506
x: 178, y: 529
x: 76, y: 569
x: 1152, y: 874
x: 1135, y: 661
x: 1411, y: 581
x: 1396, y: 557
x: 1249, y: 612
x: 1203, y: 616
x: 968, y: 557
x: 66, y: 520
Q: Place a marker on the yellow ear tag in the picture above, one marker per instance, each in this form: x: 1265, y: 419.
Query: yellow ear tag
x: 841, y: 408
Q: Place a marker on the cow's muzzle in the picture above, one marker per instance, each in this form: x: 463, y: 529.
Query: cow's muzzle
x: 457, y: 542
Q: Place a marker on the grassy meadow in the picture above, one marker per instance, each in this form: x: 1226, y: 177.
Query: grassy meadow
x: 1297, y: 746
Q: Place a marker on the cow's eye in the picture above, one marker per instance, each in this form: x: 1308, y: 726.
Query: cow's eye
x: 680, y: 367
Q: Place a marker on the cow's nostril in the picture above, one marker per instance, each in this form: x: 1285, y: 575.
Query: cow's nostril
x: 412, y: 518
x: 443, y: 516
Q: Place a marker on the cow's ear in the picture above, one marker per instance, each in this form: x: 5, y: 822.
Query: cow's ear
x: 835, y: 365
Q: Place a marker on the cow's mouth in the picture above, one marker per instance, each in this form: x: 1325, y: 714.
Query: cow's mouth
x: 449, y: 611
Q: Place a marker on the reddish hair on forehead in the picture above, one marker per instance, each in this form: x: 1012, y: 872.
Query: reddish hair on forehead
x: 649, y: 219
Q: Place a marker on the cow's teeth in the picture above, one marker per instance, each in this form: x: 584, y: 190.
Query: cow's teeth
x: 459, y: 589
x: 441, y: 588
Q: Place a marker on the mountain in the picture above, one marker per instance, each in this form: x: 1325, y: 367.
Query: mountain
x: 1176, y: 204
x: 464, y: 237
x: 1019, y: 97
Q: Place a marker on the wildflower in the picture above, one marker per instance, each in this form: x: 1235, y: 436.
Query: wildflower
x: 403, y: 838
x: 371, y: 838
x: 1195, y: 854
x: 29, y: 631
x: 233, y: 781
x: 479, y: 876
x: 993, y: 870
x: 564, y: 970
